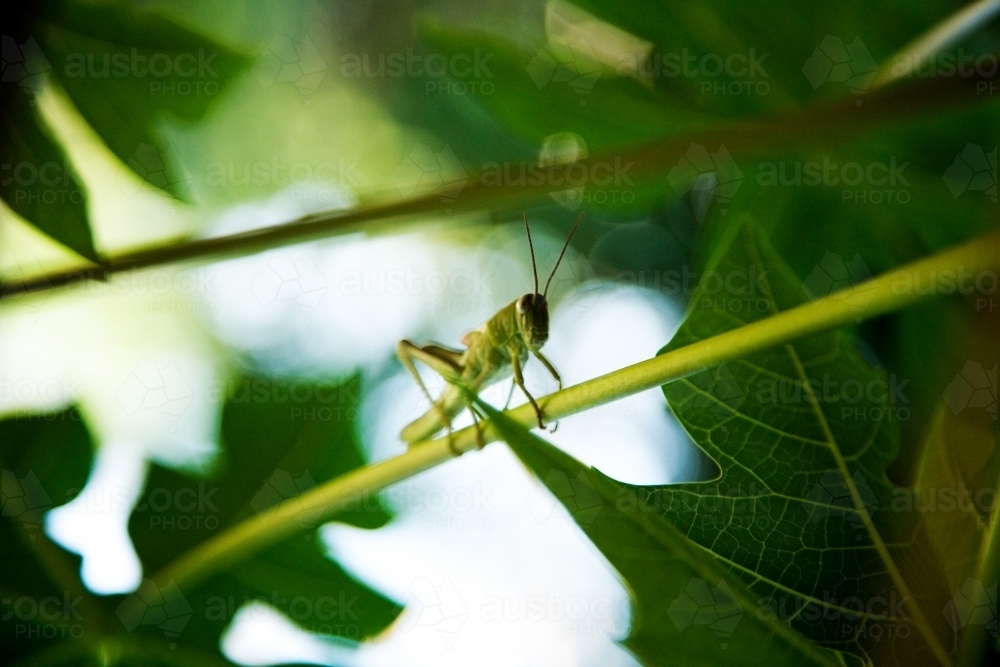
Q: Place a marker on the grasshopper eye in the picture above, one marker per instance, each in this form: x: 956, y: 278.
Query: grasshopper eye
x: 523, y: 303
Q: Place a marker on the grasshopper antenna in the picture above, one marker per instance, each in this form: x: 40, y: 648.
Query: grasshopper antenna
x: 563, y: 252
x: 534, y: 267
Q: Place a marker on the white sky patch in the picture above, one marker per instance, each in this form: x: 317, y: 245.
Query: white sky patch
x: 341, y: 304
x: 95, y: 523
x: 261, y: 635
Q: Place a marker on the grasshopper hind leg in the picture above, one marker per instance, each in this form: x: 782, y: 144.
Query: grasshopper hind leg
x: 443, y: 361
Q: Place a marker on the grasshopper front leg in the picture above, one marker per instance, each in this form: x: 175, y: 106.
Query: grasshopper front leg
x: 515, y: 362
x: 553, y: 372
x: 549, y: 367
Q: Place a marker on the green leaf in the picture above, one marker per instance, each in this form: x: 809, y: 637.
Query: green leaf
x: 783, y: 35
x: 607, y: 112
x: 534, y: 102
x: 45, y: 460
x: 801, y: 510
x: 280, y: 438
x: 128, y: 70
x: 41, y: 186
x: 957, y: 479
x: 100, y: 54
x: 687, y: 610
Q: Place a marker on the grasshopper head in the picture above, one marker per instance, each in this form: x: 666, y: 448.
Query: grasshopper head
x: 533, y: 319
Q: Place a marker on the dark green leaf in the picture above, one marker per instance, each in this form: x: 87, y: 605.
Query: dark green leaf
x: 607, y: 111
x: 41, y: 187
x: 784, y: 36
x: 45, y: 461
x: 127, y: 70
x: 802, y: 510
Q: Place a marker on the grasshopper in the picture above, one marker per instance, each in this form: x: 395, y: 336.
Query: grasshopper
x: 496, y: 349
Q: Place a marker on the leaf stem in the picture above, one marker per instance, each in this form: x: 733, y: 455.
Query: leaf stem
x: 823, y: 122
x: 943, y: 35
x: 888, y: 292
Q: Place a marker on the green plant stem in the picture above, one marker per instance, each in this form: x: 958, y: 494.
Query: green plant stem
x: 823, y: 123
x: 889, y: 292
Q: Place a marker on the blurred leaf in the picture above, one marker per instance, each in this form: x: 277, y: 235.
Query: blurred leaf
x: 41, y: 186
x: 687, y: 609
x: 785, y: 37
x: 280, y: 438
x: 45, y: 460
x: 532, y: 98
x: 956, y: 486
x: 802, y: 435
x: 535, y: 98
x: 127, y: 70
